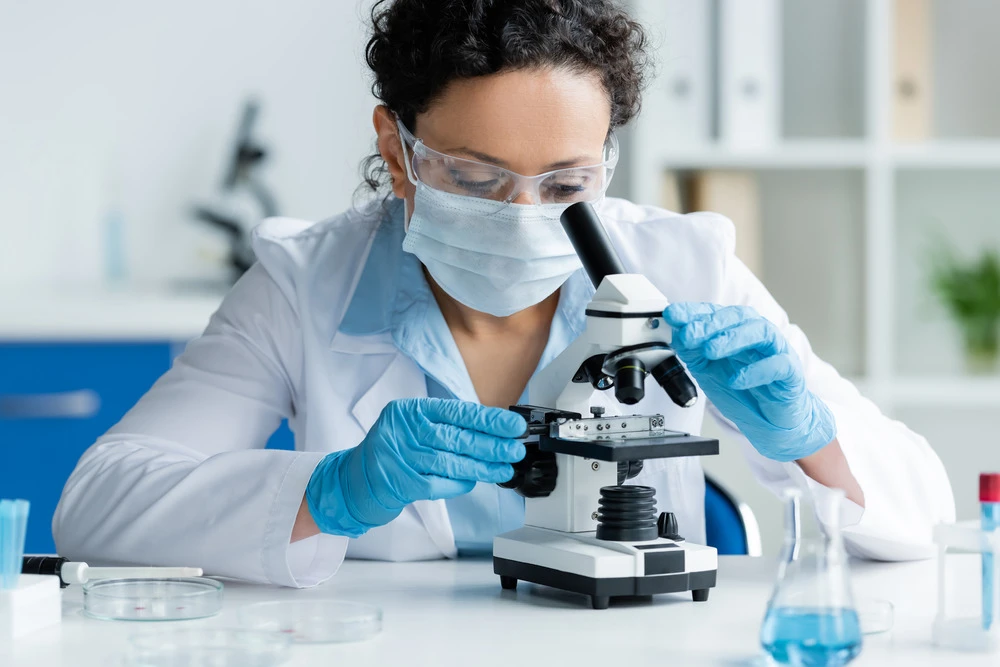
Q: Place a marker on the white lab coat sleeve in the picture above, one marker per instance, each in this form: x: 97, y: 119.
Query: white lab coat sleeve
x: 906, y: 489
x: 184, y: 478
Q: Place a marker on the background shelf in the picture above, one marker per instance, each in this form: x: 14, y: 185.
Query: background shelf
x: 851, y: 197
x: 839, y: 154
x: 960, y: 208
x: 946, y: 392
x: 944, y: 154
x: 812, y: 225
x: 964, y: 437
x: 789, y: 154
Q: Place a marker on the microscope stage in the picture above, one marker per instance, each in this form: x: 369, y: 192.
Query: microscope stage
x: 603, y: 569
x: 661, y: 445
x: 611, y: 438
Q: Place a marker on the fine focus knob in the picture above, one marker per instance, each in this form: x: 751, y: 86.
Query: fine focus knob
x: 666, y: 527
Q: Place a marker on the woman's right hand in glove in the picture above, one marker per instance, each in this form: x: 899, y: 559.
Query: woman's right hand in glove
x: 419, y: 449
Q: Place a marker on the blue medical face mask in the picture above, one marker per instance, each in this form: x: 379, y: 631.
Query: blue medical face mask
x: 497, y: 260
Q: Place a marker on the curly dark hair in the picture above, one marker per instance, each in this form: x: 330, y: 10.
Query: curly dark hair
x: 418, y: 47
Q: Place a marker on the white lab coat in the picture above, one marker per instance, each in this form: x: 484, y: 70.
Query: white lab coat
x: 183, y: 479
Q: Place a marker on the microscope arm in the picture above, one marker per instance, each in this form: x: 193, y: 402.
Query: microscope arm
x: 625, y: 314
x: 553, y: 387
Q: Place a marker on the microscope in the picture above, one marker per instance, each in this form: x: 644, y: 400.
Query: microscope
x: 585, y: 530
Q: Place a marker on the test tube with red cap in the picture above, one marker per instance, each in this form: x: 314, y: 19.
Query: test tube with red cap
x: 989, y: 501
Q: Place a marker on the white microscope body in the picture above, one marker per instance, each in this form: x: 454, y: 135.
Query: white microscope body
x: 589, y: 534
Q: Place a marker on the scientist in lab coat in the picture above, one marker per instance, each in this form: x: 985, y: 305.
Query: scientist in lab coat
x: 392, y: 335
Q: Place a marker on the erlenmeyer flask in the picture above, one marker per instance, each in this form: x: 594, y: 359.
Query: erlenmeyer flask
x: 811, y: 620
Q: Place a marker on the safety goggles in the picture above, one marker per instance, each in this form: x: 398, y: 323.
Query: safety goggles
x: 555, y: 189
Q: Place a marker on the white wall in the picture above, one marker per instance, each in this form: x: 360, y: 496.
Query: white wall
x: 153, y: 91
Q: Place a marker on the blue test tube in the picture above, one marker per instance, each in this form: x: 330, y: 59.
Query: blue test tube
x: 989, y: 500
x: 13, y: 529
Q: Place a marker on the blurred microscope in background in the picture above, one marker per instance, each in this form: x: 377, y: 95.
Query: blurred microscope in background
x: 243, y: 201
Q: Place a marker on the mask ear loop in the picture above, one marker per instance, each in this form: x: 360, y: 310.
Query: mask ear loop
x: 409, y: 171
x: 403, y: 136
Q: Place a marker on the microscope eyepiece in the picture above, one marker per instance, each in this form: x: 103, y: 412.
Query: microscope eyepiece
x: 670, y: 375
x: 591, y: 242
x: 630, y: 381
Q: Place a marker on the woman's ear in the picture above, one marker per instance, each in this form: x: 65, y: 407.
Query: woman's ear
x: 391, y: 148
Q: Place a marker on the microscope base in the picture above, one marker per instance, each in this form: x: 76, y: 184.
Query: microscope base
x: 581, y: 563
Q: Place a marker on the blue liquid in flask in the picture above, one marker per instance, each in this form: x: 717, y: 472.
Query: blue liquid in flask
x: 811, y: 637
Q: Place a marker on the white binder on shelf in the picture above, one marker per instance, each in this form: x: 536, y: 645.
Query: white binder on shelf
x: 735, y: 195
x: 911, y: 109
x: 671, y: 192
x: 749, y: 73
x: 678, y: 103
x: 677, y: 107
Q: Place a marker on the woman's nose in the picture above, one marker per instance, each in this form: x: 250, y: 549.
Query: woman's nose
x: 525, y: 198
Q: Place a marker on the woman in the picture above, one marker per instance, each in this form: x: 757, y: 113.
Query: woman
x: 458, y: 283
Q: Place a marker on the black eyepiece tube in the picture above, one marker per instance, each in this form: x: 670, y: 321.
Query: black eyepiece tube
x: 590, y: 240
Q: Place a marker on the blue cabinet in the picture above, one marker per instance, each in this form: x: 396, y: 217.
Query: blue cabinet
x: 56, y: 399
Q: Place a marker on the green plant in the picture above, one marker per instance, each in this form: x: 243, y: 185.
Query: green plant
x: 971, y: 293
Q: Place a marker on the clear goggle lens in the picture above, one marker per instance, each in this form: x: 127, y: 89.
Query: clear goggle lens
x: 469, y: 178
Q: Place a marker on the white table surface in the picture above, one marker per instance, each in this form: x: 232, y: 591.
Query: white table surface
x: 82, y: 312
x: 445, y: 613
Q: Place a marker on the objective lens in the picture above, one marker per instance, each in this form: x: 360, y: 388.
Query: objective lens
x: 675, y: 381
x: 630, y: 381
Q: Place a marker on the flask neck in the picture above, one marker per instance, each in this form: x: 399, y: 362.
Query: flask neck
x: 822, y: 527
x: 793, y: 518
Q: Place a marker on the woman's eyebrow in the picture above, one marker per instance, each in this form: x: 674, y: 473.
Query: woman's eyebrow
x: 476, y: 155
x: 486, y: 157
x: 580, y: 161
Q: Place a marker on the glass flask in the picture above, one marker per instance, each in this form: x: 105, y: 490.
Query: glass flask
x: 811, y: 620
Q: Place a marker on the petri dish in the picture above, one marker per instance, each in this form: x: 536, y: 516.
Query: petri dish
x: 209, y: 648
x: 152, y: 599
x: 875, y: 616
x: 314, y: 621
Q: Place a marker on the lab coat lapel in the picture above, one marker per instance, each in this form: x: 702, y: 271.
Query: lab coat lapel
x: 397, y: 377
x: 400, y: 379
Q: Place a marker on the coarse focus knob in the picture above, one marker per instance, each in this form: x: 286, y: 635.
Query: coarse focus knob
x: 534, y: 475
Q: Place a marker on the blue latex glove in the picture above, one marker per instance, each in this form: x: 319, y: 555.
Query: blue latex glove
x: 419, y: 449
x: 746, y: 368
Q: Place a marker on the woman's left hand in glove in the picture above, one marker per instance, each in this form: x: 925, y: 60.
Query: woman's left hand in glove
x: 753, y: 377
